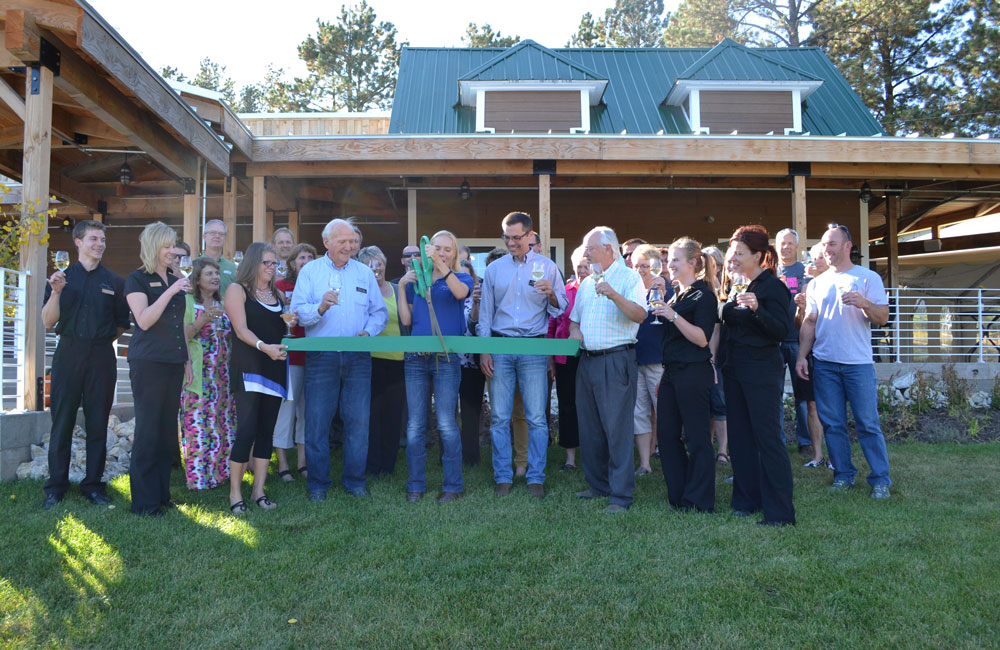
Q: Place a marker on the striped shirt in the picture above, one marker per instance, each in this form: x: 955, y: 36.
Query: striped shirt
x: 602, y: 324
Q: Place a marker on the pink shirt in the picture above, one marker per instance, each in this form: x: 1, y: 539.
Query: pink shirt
x: 559, y: 326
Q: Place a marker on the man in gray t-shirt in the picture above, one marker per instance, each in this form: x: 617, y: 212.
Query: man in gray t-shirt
x: 841, y: 305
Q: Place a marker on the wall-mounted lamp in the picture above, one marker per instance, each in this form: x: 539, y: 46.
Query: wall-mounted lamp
x: 464, y: 192
x: 125, y: 173
x: 709, y: 219
x: 865, y: 193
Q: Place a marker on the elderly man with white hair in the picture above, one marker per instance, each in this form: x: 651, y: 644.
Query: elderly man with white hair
x: 336, y: 295
x: 609, y: 306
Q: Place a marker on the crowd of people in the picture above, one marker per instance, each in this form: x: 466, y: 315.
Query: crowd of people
x: 683, y: 356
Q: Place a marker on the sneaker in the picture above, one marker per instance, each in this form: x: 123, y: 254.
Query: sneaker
x: 841, y: 484
x: 880, y: 492
x: 317, y: 496
x: 642, y: 471
x: 615, y: 509
x: 501, y: 489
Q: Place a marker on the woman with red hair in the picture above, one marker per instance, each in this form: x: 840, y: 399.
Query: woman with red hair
x: 756, y: 319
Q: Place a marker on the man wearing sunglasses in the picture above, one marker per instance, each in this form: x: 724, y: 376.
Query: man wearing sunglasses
x: 514, y: 305
x: 841, y: 306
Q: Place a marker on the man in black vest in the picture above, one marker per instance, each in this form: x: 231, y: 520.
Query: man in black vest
x: 86, y: 305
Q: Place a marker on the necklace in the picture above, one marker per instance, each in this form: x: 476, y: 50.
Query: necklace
x: 264, y: 295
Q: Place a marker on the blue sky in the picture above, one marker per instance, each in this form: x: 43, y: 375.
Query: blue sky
x: 246, y: 36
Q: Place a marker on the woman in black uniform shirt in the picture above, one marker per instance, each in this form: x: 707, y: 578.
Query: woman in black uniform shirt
x: 755, y: 322
x: 158, y: 363
x: 256, y: 369
x: 683, y: 401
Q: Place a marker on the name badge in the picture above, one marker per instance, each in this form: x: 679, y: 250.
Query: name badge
x: 156, y: 284
x: 110, y: 292
x: 228, y: 272
x: 361, y: 289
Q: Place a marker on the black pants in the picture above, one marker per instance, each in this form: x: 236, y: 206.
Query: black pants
x: 82, y: 371
x: 762, y: 473
x: 684, y: 405
x: 385, y: 414
x: 256, y: 415
x: 605, y: 392
x: 569, y: 428
x: 156, y: 393
x: 470, y: 399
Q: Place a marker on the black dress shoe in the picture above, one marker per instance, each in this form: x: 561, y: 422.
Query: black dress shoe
x: 742, y: 513
x: 150, y: 512
x: 98, y: 498
x: 51, y: 500
x: 170, y: 505
x: 768, y: 522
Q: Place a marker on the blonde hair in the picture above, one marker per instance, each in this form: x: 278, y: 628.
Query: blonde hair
x: 455, y: 265
x: 692, y: 251
x: 154, y: 237
x: 648, y: 251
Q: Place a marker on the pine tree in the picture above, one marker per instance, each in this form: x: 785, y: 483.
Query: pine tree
x: 476, y: 36
x: 703, y: 23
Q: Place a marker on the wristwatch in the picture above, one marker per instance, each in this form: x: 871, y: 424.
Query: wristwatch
x: 675, y: 317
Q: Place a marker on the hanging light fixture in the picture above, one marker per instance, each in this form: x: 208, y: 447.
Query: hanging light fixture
x: 865, y: 193
x: 464, y: 192
x: 125, y: 173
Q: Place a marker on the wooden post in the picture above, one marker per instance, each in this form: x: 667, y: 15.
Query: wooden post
x: 411, y: 217
x: 799, y: 211
x: 863, y: 236
x: 192, y: 212
x: 544, y: 212
x: 259, y: 209
x: 268, y: 225
x: 229, y: 216
x: 35, y: 195
x: 293, y: 225
x: 892, y: 238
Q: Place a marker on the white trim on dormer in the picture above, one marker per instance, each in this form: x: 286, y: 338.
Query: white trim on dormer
x: 694, y: 103
x: 797, y: 109
x: 585, y: 110
x: 684, y: 87
x: 469, y: 90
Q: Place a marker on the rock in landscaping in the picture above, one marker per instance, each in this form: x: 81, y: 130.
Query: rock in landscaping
x: 119, y: 457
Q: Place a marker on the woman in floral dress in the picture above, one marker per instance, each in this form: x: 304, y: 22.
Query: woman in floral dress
x: 208, y: 412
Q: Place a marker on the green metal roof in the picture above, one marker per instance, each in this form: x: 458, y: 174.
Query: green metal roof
x: 427, y: 93
x: 530, y: 61
x: 729, y: 60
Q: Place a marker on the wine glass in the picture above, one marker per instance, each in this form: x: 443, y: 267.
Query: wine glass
x: 288, y: 316
x: 282, y: 268
x: 655, y: 300
x: 655, y: 266
x: 844, y: 286
x: 62, y: 260
x: 375, y: 266
x: 740, y: 284
x: 596, y: 272
x: 537, y: 272
x: 336, y: 282
x: 185, y: 265
x: 807, y: 259
x: 238, y: 257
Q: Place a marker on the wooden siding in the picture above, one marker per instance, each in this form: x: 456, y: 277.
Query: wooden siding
x: 533, y: 111
x: 317, y: 125
x: 747, y: 111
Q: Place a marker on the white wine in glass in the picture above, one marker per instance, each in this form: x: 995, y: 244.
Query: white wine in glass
x: 282, y: 268
x: 537, y: 271
x: 655, y: 301
x: 336, y: 282
x: 597, y: 272
x: 238, y: 257
x: 655, y: 267
x: 288, y: 316
x: 740, y: 284
x: 62, y: 260
x: 185, y: 265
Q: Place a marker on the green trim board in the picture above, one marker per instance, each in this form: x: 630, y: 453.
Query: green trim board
x: 456, y: 344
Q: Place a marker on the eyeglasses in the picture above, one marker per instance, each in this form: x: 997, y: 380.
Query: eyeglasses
x: 270, y: 263
x: 641, y: 266
x: 837, y: 226
x: 217, y: 233
x: 514, y: 238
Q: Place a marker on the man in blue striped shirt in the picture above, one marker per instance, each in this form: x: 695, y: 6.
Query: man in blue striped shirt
x: 515, y: 305
x: 338, y: 296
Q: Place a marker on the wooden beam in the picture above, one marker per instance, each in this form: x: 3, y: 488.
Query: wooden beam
x: 237, y: 133
x: 108, y: 104
x: 192, y: 212
x: 259, y: 209
x: 544, y: 212
x: 892, y: 239
x: 151, y: 90
x: 21, y: 36
x: 293, y: 225
x: 11, y: 98
x: 34, y: 256
x: 268, y: 225
x: 411, y: 217
x: 59, y: 16
x: 66, y: 189
x: 948, y: 244
x: 229, y: 195
x: 799, y: 211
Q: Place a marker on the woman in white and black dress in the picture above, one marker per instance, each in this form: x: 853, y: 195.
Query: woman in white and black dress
x: 257, y: 369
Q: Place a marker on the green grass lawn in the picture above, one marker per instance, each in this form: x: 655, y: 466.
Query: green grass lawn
x: 918, y: 571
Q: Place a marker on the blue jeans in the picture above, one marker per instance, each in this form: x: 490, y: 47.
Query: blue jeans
x: 528, y: 373
x: 422, y: 373
x: 836, y: 384
x: 790, y: 354
x: 334, y: 378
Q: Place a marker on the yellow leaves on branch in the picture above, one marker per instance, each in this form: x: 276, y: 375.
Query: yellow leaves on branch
x: 22, y: 225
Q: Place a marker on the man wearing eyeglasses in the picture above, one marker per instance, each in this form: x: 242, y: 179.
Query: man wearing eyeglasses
x: 215, y: 240
x: 513, y: 305
x: 841, y: 306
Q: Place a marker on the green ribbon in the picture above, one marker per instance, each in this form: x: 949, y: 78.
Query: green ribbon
x: 457, y: 344
x: 424, y: 267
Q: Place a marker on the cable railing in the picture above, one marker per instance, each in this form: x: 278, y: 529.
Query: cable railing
x: 14, y: 284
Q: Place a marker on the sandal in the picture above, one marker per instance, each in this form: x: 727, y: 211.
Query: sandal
x: 265, y: 503
x: 303, y: 471
x: 722, y: 459
x: 286, y: 476
x: 238, y: 508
